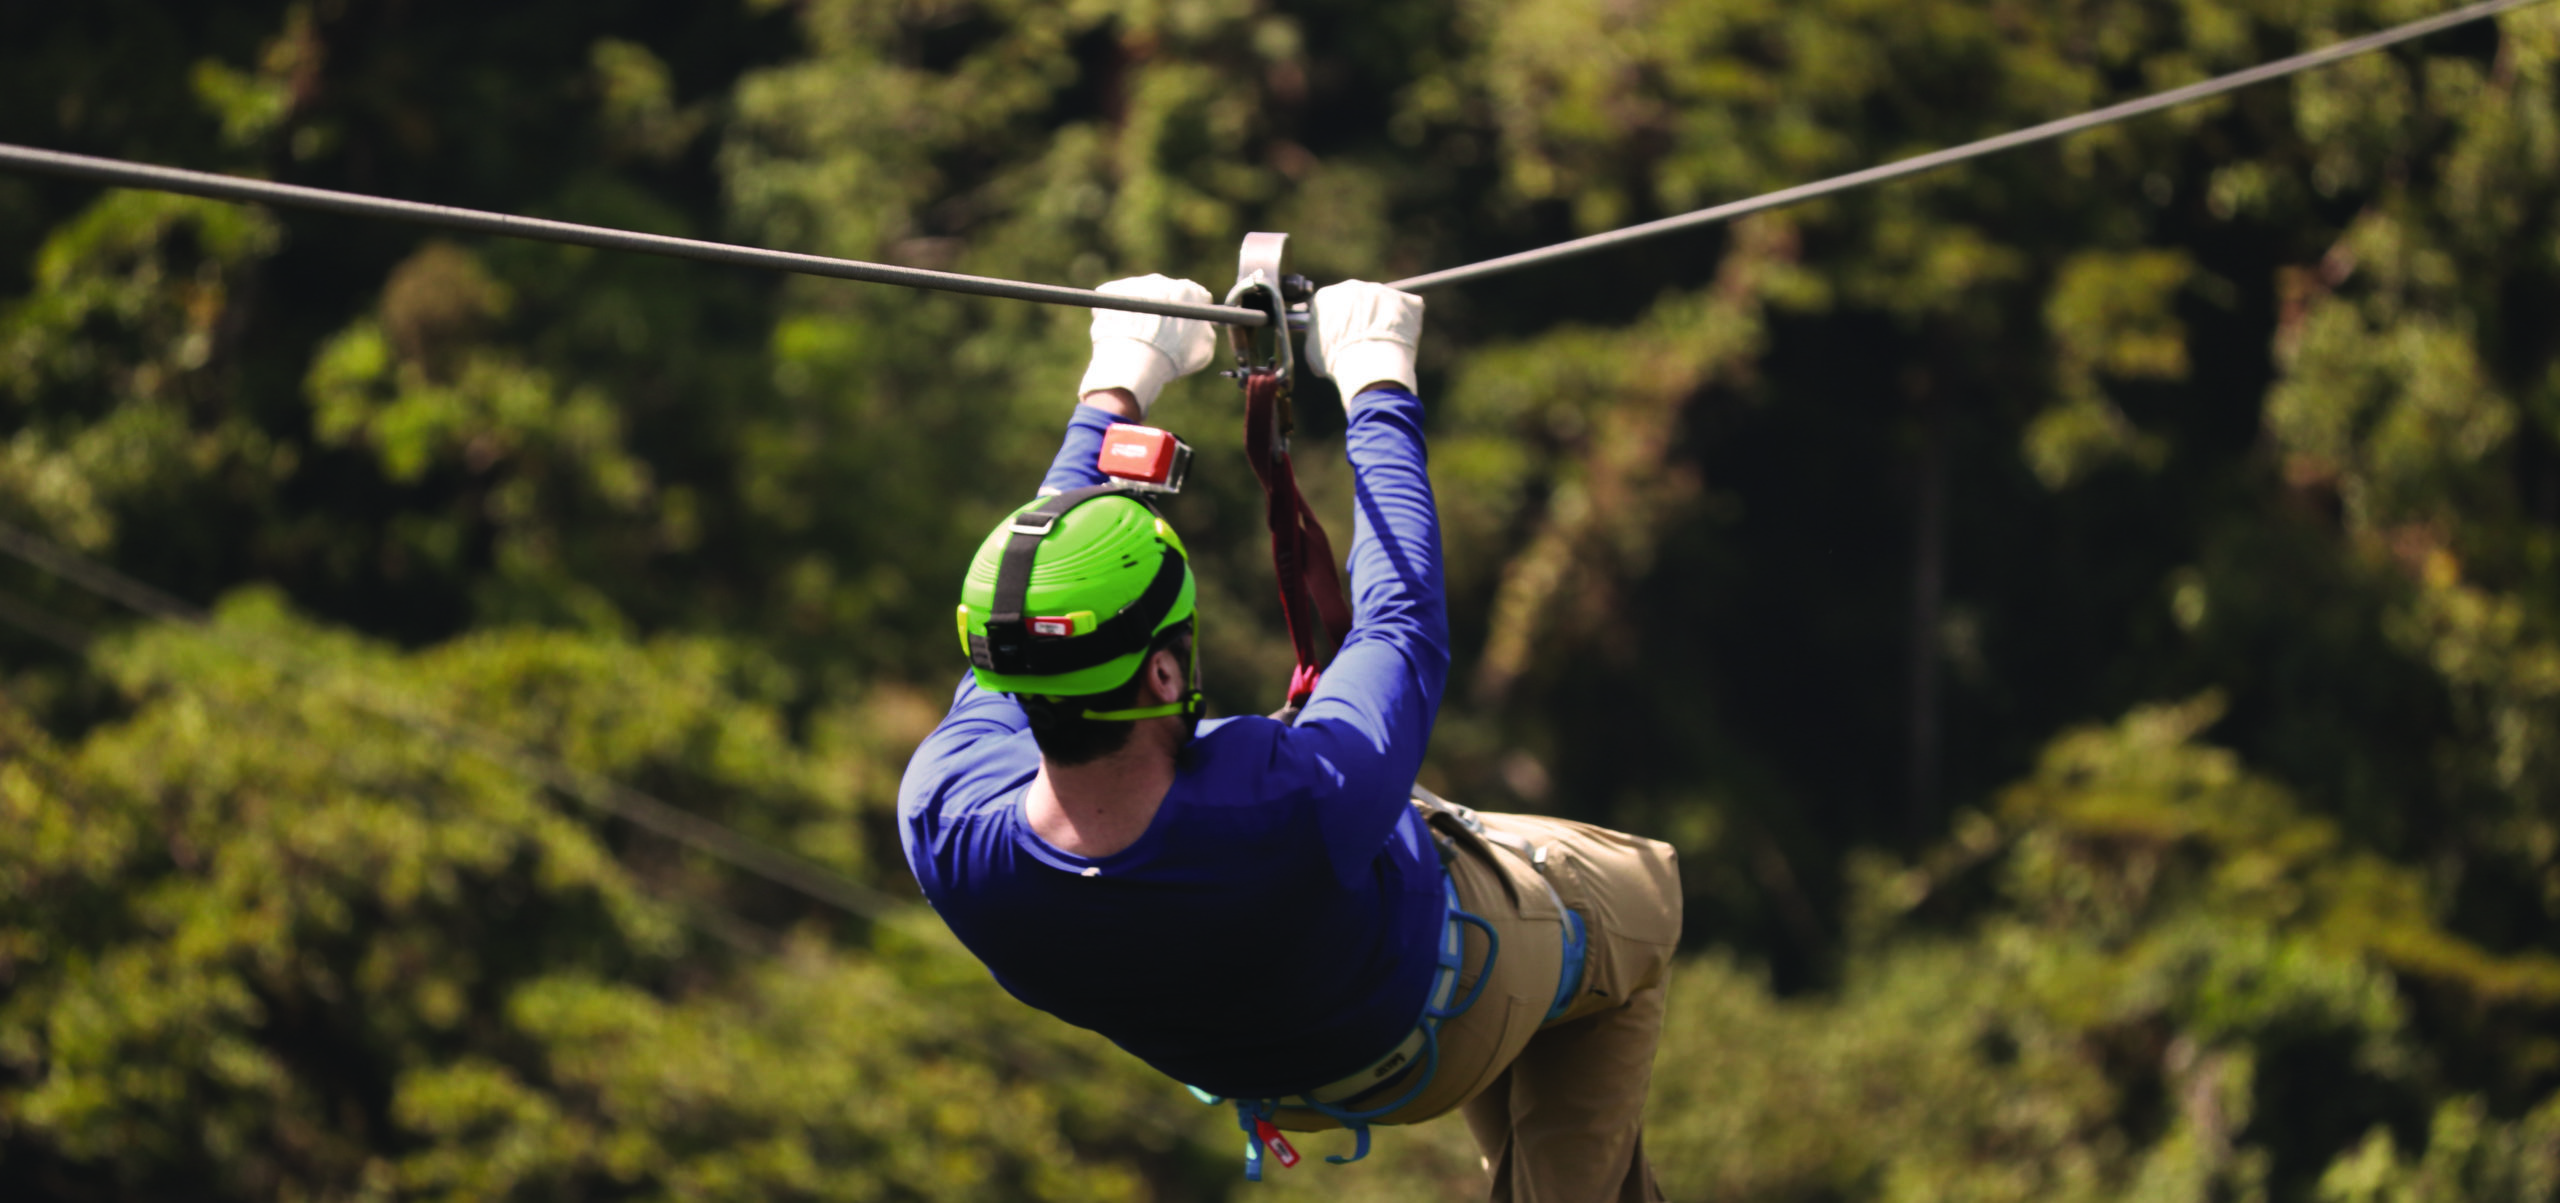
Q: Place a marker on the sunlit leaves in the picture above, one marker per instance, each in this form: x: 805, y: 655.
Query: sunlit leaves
x: 2111, y: 315
x: 2170, y: 926
x: 638, y: 99
x: 691, y: 529
x: 270, y: 844
x: 103, y: 360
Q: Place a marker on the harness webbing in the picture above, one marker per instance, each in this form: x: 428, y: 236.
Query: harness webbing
x: 1301, y: 555
x: 1255, y: 1116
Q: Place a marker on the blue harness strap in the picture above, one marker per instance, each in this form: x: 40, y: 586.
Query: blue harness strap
x: 1255, y: 1116
x: 1570, y: 979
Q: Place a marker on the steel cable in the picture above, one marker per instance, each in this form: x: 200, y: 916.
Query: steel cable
x: 122, y: 174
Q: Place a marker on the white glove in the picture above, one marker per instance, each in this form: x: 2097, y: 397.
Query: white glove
x: 1142, y: 351
x: 1364, y: 334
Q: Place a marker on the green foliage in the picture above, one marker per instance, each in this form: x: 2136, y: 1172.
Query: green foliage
x: 1814, y: 545
x: 2111, y: 315
x: 2173, y: 980
x: 814, y: 1077
x: 129, y: 303
x: 256, y: 939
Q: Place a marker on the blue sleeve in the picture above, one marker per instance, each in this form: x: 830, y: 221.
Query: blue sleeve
x: 1370, y: 720
x: 1080, y: 452
x: 943, y: 768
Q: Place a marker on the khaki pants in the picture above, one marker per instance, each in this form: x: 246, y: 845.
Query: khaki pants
x: 1557, y: 1108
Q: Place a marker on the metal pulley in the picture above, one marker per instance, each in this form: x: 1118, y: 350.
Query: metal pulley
x: 1264, y: 285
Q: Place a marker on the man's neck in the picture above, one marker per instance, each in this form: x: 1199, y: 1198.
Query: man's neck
x: 1102, y: 806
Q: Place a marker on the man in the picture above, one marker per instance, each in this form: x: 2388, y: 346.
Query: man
x: 1267, y: 911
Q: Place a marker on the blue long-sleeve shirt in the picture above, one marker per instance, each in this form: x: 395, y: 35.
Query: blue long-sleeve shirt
x: 1274, y: 928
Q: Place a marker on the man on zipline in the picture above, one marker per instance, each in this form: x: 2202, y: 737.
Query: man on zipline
x: 1271, y: 911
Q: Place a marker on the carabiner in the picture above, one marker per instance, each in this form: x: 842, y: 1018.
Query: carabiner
x: 1261, y: 283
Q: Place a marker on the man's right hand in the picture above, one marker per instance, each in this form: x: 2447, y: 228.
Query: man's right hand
x: 1364, y: 335
x: 1136, y: 354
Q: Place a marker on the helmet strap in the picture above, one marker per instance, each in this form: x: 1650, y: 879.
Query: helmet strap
x: 1011, y: 647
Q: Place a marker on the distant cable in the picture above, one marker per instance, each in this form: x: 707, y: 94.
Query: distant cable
x: 1958, y: 154
x: 666, y: 819
x: 97, y: 578
x: 70, y: 637
x: 234, y: 188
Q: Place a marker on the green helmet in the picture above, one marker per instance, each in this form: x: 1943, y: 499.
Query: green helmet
x: 1066, y: 594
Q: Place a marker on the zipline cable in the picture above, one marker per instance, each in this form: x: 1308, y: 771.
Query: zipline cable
x: 123, y: 174
x: 1934, y: 160
x: 712, y: 839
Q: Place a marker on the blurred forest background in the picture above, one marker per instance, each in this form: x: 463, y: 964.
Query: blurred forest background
x: 2090, y: 621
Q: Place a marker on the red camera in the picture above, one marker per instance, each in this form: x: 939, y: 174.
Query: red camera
x: 1145, y: 458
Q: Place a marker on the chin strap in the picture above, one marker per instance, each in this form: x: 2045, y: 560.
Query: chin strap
x: 1189, y: 704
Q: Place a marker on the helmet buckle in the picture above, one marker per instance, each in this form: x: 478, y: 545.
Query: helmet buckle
x: 1032, y: 522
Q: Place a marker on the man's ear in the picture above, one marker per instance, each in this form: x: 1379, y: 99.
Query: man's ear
x: 1164, y: 675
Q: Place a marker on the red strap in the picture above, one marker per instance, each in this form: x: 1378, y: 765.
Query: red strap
x: 1301, y: 556
x: 1269, y: 1134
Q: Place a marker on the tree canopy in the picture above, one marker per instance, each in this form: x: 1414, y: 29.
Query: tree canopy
x: 2089, y: 619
